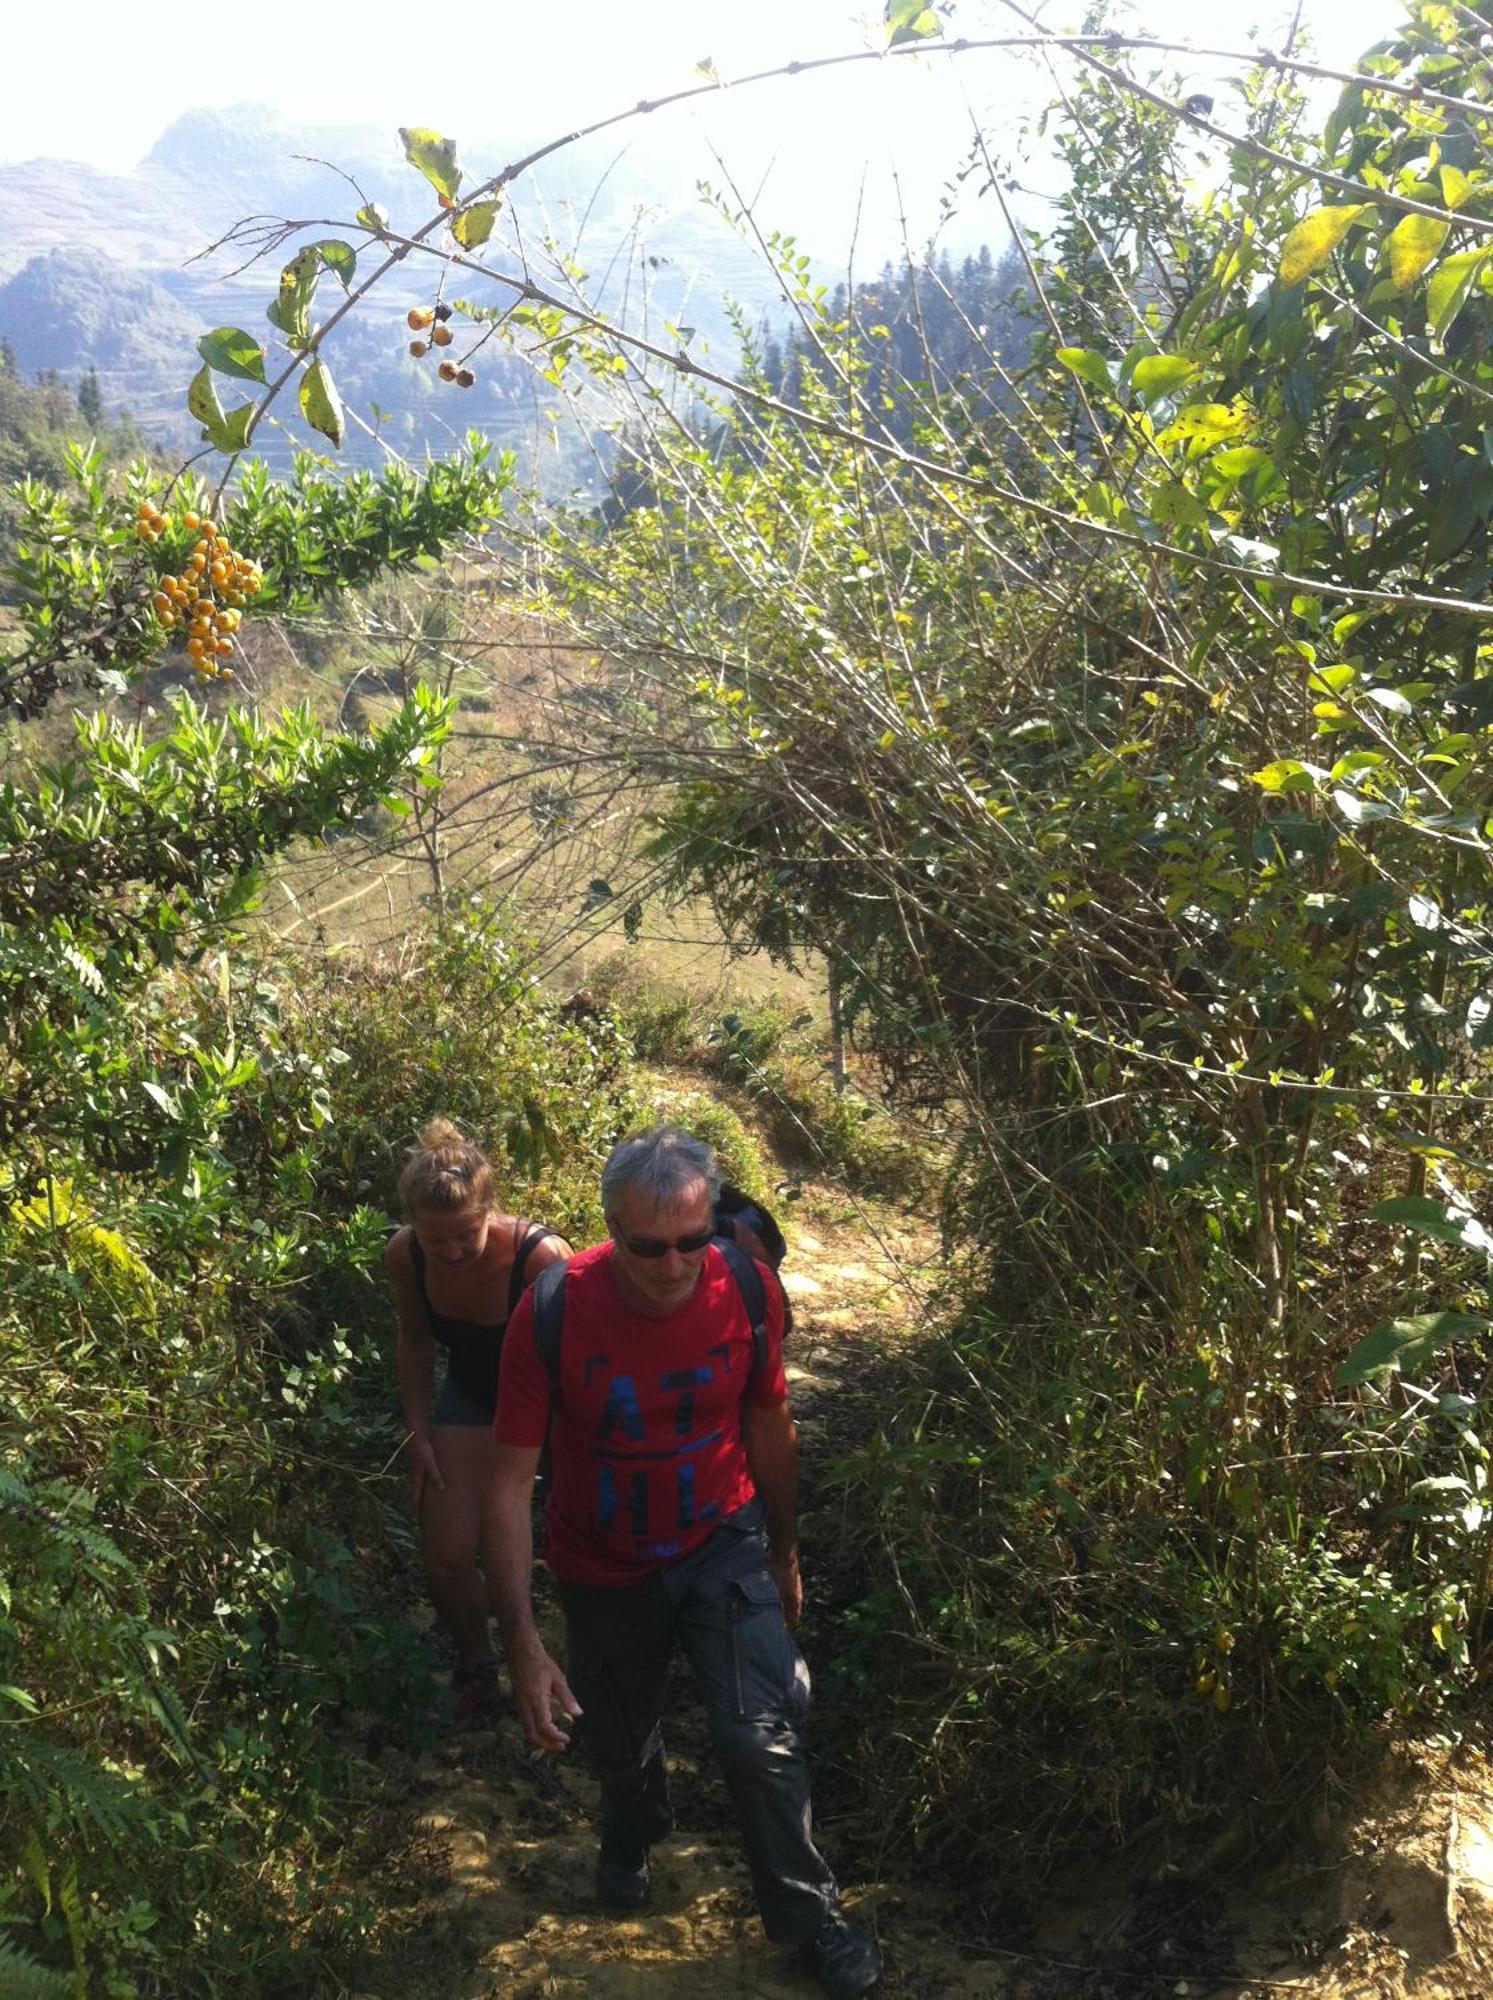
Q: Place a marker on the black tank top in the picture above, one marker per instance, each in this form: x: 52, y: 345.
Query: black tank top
x: 474, y: 1350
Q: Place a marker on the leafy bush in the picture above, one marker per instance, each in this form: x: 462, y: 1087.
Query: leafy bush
x: 202, y: 1523
x: 1126, y: 758
x: 740, y: 1156
x: 663, y: 1023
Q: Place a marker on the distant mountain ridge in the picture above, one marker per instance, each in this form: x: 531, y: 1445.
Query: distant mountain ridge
x: 97, y: 270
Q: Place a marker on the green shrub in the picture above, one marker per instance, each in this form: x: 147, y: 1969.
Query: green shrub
x: 740, y: 1156
x: 1138, y: 1578
x: 839, y: 1134
x: 202, y: 1518
x: 663, y: 1024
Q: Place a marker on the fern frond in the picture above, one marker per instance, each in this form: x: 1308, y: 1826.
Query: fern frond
x: 87, y: 973
x: 65, y: 1789
x: 25, y: 1978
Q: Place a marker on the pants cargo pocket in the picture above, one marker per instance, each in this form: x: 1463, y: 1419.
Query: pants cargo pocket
x: 764, y: 1659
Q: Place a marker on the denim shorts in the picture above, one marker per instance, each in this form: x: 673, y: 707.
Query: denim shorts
x: 456, y: 1405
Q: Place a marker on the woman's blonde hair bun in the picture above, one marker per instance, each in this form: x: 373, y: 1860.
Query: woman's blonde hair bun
x: 445, y: 1171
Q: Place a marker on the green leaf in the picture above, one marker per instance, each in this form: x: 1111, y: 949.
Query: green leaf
x: 236, y: 429
x: 1239, y: 461
x: 374, y: 217
x: 1314, y: 239
x: 910, y: 21
x: 434, y: 155
x: 290, y: 310
x: 1412, y: 243
x: 1173, y: 505
x: 340, y: 258
x: 1450, y: 283
x: 233, y: 352
x: 321, y: 406
x: 474, y: 225
x: 202, y: 401
x: 1433, y: 1218
x: 228, y: 433
x: 1406, y: 1343
x: 1086, y: 363
x: 1161, y: 375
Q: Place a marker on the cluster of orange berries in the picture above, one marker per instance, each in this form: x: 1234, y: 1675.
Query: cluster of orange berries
x: 418, y: 318
x: 206, y: 599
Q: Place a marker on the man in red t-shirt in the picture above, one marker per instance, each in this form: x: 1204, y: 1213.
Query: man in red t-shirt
x: 671, y: 1519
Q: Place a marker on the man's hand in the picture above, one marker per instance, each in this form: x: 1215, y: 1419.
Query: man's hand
x: 424, y: 1470
x: 539, y: 1688
x: 790, y: 1585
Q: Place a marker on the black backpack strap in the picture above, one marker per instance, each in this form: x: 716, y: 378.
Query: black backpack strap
x: 530, y: 1236
x: 549, y: 1324
x: 748, y: 1276
x: 417, y: 1258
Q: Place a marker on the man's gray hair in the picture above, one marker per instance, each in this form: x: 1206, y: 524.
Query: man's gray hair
x: 665, y: 1163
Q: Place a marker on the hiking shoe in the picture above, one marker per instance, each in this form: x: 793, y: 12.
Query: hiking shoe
x: 475, y: 1694
x: 621, y: 1876
x: 843, y: 1959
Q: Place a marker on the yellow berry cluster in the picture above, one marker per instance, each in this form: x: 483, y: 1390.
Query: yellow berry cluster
x: 418, y: 318
x: 207, y: 597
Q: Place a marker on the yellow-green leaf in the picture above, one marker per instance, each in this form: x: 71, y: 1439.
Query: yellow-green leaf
x: 235, y: 430
x: 290, y: 309
x: 474, y: 225
x: 1314, y: 239
x: 230, y: 433
x: 1286, y: 774
x: 1239, y: 461
x: 1171, y: 505
x: 434, y: 155
x: 1451, y: 281
x: 1413, y: 242
x: 1160, y: 375
x: 910, y: 21
x: 202, y: 401
x: 1085, y: 362
x: 321, y: 406
x: 1455, y: 186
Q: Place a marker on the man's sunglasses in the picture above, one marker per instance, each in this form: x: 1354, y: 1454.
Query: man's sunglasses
x: 654, y: 1246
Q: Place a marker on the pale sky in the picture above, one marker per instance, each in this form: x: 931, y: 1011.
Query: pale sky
x: 99, y: 82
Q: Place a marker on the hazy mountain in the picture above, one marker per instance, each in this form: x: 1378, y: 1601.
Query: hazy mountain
x: 106, y: 271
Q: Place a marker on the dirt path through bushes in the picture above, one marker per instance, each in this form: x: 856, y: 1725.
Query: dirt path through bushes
x: 483, y: 1882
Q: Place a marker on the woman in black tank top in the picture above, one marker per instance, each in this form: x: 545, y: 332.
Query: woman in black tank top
x: 458, y: 1268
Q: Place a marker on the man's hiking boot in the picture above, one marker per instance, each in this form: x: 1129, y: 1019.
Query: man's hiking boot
x: 843, y: 1959
x: 621, y: 1876
x: 475, y: 1693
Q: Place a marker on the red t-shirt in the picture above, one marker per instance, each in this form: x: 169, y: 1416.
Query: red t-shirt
x: 645, y: 1450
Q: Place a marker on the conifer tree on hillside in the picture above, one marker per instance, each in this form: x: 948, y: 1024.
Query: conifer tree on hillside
x: 962, y: 329
x: 91, y: 400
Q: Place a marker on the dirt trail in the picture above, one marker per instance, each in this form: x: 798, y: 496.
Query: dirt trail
x: 487, y: 1849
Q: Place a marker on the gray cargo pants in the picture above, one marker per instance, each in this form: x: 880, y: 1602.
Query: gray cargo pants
x: 722, y: 1606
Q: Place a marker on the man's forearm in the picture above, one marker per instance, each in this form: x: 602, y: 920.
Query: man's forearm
x: 771, y: 1441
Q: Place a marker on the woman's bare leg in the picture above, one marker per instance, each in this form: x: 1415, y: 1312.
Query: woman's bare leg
x: 450, y: 1530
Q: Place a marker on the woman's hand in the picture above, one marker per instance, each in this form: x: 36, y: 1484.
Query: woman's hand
x: 425, y: 1469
